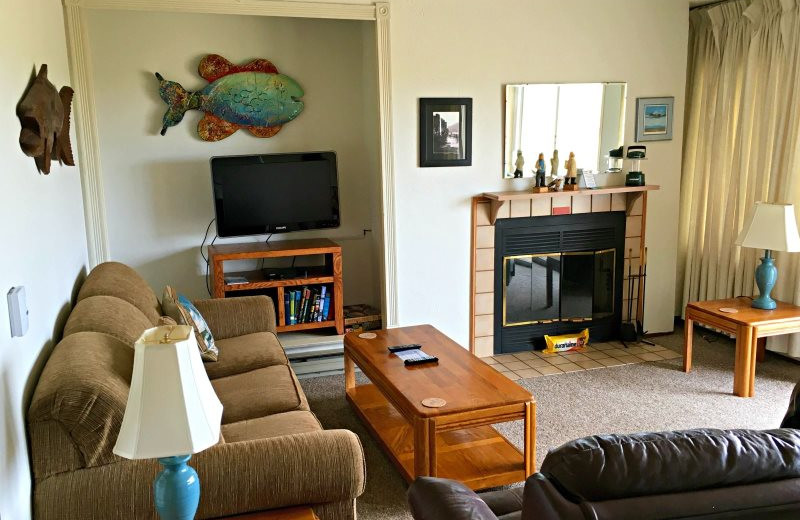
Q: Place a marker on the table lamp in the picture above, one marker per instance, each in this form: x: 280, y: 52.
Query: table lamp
x: 172, y: 412
x: 771, y: 227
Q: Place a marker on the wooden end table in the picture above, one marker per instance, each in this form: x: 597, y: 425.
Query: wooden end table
x: 454, y: 441
x: 751, y: 327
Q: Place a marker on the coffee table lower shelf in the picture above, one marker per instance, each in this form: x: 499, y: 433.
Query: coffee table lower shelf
x: 477, y: 456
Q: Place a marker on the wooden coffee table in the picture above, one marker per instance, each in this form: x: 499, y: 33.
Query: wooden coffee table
x: 455, y: 441
x: 751, y: 327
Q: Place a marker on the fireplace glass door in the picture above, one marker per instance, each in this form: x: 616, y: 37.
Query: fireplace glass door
x: 603, y: 298
x: 577, y: 288
x: 532, y: 288
x: 570, y: 286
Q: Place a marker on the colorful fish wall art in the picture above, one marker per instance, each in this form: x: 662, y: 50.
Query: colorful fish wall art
x: 254, y: 96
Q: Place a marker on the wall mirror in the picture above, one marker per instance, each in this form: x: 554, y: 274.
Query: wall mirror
x: 585, y: 118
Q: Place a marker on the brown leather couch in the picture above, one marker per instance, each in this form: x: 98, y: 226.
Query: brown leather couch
x: 272, y: 451
x: 710, y: 474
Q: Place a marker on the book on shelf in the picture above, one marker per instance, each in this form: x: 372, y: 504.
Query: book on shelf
x: 312, y: 307
x: 307, y: 305
x: 325, y: 307
x: 320, y: 307
x: 291, y: 317
x: 315, y: 312
x: 299, y: 309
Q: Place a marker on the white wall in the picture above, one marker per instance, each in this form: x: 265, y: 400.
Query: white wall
x: 457, y: 48
x: 158, y: 189
x: 44, y: 245
x: 445, y: 48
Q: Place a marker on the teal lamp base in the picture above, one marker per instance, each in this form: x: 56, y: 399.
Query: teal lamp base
x: 176, y: 489
x: 766, y: 275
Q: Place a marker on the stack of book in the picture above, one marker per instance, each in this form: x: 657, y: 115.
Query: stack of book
x: 307, y: 305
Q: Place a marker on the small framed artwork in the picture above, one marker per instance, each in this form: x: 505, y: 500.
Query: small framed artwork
x: 445, y: 132
x: 654, y: 119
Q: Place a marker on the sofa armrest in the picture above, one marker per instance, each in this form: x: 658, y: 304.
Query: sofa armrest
x: 792, y: 417
x: 231, y: 317
x: 307, y: 468
x: 442, y: 499
x: 543, y: 501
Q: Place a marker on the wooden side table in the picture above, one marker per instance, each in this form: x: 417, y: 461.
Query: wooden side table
x: 751, y: 327
x: 289, y: 513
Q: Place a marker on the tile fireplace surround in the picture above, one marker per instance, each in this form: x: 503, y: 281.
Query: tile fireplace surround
x: 488, y: 207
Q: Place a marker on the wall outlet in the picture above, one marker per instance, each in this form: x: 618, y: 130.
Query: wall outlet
x: 17, y: 311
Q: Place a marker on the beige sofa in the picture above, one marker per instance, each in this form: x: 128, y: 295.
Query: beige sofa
x: 272, y: 452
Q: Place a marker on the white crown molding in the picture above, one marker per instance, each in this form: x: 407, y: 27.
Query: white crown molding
x: 94, y: 207
x: 241, y: 7
x: 86, y: 118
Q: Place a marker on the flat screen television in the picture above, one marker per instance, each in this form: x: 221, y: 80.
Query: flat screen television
x: 275, y: 193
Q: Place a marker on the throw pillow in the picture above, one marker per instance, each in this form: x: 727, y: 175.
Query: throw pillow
x: 189, y: 315
x: 166, y: 321
x: 170, y: 307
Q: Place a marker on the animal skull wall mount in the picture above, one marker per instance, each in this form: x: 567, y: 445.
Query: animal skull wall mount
x: 44, y: 115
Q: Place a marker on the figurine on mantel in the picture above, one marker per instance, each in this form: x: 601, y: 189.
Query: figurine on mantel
x: 555, y: 184
x: 554, y: 164
x: 540, y: 185
x: 519, y: 164
x: 572, y: 173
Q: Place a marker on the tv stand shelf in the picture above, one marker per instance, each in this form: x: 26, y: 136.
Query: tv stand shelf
x: 329, y: 274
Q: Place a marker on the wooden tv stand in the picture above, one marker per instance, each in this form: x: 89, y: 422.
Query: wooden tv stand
x: 331, y: 275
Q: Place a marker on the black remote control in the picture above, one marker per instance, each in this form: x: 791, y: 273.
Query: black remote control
x: 401, y: 348
x: 421, y: 361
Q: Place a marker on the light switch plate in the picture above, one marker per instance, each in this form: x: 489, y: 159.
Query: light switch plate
x: 17, y: 311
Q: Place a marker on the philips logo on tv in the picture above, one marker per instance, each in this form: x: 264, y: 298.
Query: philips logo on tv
x: 280, y: 228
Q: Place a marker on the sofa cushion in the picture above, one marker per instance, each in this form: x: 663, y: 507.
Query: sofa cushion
x: 604, y: 467
x: 276, y: 425
x: 260, y: 392
x: 110, y: 315
x: 83, y: 389
x: 244, y: 353
x: 504, y: 502
x: 119, y: 280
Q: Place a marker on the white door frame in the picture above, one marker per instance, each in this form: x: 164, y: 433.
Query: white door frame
x: 86, y: 117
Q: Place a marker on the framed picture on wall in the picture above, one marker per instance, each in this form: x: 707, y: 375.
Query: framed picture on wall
x: 445, y: 132
x: 654, y: 119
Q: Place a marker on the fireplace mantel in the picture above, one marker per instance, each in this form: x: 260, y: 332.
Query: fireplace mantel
x: 498, y: 199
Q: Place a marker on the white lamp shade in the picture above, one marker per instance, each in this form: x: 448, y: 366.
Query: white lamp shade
x: 770, y: 226
x: 172, y: 408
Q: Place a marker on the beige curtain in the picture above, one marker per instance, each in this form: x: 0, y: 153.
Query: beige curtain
x: 741, y: 145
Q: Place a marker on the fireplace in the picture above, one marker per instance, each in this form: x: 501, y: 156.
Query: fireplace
x: 556, y: 275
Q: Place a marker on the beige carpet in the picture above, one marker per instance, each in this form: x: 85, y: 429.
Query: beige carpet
x: 646, y: 396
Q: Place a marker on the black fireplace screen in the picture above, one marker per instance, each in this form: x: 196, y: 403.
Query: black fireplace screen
x: 571, y: 286
x: 557, y: 274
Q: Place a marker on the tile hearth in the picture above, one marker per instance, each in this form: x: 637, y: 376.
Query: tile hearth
x: 523, y: 365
